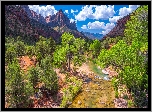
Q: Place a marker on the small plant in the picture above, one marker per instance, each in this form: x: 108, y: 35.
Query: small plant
x: 125, y: 96
x: 130, y: 104
x: 116, y: 94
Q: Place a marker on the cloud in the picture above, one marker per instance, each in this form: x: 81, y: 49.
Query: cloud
x: 95, y: 25
x: 99, y: 25
x: 124, y: 11
x: 66, y: 11
x: 105, y: 31
x: 72, y: 20
x: 100, y: 12
x: 114, y: 19
x: 72, y: 11
x: 84, y: 27
x: 43, y: 10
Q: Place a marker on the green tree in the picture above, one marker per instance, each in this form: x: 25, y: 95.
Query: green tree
x: 20, y: 48
x: 49, y: 76
x: 95, y: 48
x: 14, y: 86
x: 44, y: 47
x: 10, y: 53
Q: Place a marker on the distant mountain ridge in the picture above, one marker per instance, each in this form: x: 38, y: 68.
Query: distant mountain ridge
x: 93, y: 35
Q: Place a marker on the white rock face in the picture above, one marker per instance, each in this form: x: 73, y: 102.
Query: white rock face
x: 106, y: 78
x: 105, y: 72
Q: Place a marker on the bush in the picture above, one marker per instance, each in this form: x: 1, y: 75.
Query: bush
x: 15, y: 86
x: 49, y: 76
x: 10, y: 53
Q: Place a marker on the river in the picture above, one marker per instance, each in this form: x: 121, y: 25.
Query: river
x: 95, y: 93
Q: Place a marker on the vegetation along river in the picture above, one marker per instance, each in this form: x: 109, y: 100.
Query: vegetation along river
x: 96, y: 93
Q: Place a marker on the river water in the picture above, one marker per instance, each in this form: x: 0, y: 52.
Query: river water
x: 95, y: 93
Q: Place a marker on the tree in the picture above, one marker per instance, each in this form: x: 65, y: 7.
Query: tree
x: 95, y: 48
x: 20, y: 48
x: 71, y: 48
x: 15, y: 87
x: 44, y: 47
x: 49, y: 76
x: 128, y: 57
x: 10, y: 53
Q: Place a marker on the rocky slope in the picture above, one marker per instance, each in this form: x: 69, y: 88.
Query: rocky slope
x: 21, y: 21
x: 118, y: 30
x: 59, y: 22
x: 18, y: 23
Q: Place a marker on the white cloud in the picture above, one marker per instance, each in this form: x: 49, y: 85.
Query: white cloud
x: 101, y: 12
x: 72, y: 20
x: 104, y: 12
x: 95, y: 25
x: 114, y: 19
x: 44, y: 10
x: 84, y: 27
x: 99, y: 25
x: 124, y: 11
x: 109, y: 26
x: 66, y: 11
x: 72, y: 11
x: 105, y: 31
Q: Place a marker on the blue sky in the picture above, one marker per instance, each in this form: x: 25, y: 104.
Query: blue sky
x: 89, y: 18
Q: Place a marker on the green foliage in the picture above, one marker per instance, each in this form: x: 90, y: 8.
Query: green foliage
x: 20, y: 48
x: 15, y: 86
x: 59, y: 57
x: 74, y: 86
x: 49, y: 76
x: 30, y: 51
x: 10, y: 53
x: 95, y: 48
x: 137, y: 26
x: 74, y: 47
x: 67, y: 38
x: 44, y: 47
x: 128, y: 55
x: 33, y: 75
x: 130, y: 104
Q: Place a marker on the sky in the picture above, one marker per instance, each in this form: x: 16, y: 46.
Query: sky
x: 89, y: 18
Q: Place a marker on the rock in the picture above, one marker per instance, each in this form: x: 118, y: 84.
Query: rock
x: 69, y: 103
x: 121, y: 95
x: 100, y: 78
x: 99, y: 67
x: 87, y: 90
x: 93, y: 93
x: 106, y: 78
x: 102, y: 102
x: 85, y: 82
x: 105, y: 72
x: 79, y: 102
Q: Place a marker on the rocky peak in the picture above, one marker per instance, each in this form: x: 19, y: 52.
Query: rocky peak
x: 118, y: 30
x: 60, y: 11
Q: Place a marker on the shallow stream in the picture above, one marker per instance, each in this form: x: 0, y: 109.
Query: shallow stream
x: 96, y: 93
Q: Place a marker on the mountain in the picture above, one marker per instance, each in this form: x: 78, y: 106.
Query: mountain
x: 18, y: 23
x: 118, y: 30
x: 21, y: 21
x: 93, y: 35
x: 59, y: 22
